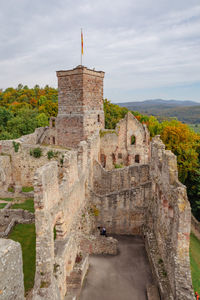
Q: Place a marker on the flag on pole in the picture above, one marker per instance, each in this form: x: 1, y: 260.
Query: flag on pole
x: 81, y: 42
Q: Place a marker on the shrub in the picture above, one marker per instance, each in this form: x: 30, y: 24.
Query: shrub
x: 11, y: 189
x: 51, y: 154
x: 62, y: 160
x: 16, y: 146
x: 118, y: 166
x: 37, y: 152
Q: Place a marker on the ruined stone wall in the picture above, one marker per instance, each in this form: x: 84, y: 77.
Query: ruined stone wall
x: 80, y: 102
x: 35, y: 137
x: 126, y: 145
x: 121, y: 197
x: 17, y: 168
x: 167, y: 228
x: 11, y: 273
x: 61, y: 202
x: 6, y: 215
x: 195, y: 227
x: 5, y: 172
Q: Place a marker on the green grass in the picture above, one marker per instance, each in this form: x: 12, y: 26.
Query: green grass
x: 2, y: 205
x: 27, y: 189
x: 195, y: 262
x: 25, y: 235
x: 7, y: 199
x: 28, y: 205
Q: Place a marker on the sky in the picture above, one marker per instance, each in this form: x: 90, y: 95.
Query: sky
x: 148, y: 49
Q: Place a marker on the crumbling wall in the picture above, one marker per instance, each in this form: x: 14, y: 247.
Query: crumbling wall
x: 167, y: 228
x: 121, y: 197
x: 17, y: 169
x: 126, y: 145
x: 5, y: 172
x: 61, y: 202
x: 11, y: 273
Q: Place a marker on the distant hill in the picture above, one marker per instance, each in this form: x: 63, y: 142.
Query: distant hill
x: 185, y: 111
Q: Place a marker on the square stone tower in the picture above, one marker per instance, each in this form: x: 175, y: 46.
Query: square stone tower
x: 80, y: 105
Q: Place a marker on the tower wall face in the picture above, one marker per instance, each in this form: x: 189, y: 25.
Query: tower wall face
x: 80, y: 102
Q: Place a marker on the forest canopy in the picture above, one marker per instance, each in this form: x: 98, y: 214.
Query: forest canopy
x: 23, y: 109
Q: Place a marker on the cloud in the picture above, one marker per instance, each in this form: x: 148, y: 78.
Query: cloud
x: 142, y: 45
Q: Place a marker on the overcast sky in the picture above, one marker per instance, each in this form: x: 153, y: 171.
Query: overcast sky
x: 147, y: 48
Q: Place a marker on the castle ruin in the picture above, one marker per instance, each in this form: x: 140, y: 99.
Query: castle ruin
x: 80, y: 189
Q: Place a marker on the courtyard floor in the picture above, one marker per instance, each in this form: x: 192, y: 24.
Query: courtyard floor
x: 121, y: 277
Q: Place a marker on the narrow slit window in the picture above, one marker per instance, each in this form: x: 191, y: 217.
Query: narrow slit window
x: 133, y: 140
x: 120, y: 155
x: 137, y: 158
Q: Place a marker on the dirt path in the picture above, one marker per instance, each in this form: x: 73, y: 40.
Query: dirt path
x: 121, y: 277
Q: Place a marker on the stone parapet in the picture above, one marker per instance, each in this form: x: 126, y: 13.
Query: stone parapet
x: 96, y: 244
x: 168, y: 218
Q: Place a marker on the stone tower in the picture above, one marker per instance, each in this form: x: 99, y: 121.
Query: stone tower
x: 80, y: 105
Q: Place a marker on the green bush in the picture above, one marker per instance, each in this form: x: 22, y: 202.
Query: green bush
x: 62, y: 160
x: 118, y: 166
x: 51, y: 154
x: 37, y: 152
x: 11, y: 189
x: 16, y: 146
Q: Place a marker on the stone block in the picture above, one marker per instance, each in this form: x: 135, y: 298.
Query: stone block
x: 11, y: 273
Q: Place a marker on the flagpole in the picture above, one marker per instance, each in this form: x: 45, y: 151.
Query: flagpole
x: 81, y: 46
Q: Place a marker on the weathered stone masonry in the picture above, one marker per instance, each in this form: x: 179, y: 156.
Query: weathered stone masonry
x: 80, y: 103
x: 80, y: 190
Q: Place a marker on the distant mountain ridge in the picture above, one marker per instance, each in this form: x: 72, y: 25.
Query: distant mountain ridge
x: 186, y: 111
x: 159, y: 101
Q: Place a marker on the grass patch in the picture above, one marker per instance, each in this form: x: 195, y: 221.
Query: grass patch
x: 27, y: 189
x: 25, y: 235
x: 28, y: 205
x: 195, y: 262
x: 7, y: 199
x: 2, y: 205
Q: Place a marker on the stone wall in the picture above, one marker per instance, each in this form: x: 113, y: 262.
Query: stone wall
x: 10, y: 217
x: 17, y: 169
x: 167, y: 227
x: 126, y: 145
x: 5, y: 172
x: 121, y: 197
x: 11, y: 273
x: 62, y: 202
x: 195, y: 227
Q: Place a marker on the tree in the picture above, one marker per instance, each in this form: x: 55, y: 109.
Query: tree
x: 42, y: 120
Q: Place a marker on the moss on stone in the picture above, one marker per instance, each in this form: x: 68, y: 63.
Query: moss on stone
x: 104, y: 132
